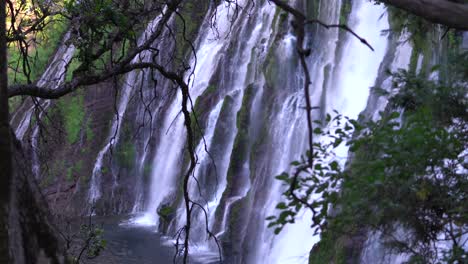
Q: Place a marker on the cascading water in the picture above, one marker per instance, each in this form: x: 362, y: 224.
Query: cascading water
x: 345, y: 81
x: 247, y: 89
x: 254, y: 124
x: 131, y: 80
x: 347, y: 89
x: 53, y: 76
x: 95, y: 186
x: 166, y: 168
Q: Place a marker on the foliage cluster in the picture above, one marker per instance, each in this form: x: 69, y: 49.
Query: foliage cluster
x: 408, y: 173
x: 103, y: 30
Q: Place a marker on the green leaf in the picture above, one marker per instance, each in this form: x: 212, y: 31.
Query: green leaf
x: 281, y: 206
x: 277, y: 230
x: 283, y: 177
x: 334, y: 165
x: 337, y: 142
x: 318, y: 131
x: 295, y: 163
x: 394, y: 115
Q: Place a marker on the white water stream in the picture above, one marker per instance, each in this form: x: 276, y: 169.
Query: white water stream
x: 131, y: 80
x: 351, y: 74
x: 53, y: 76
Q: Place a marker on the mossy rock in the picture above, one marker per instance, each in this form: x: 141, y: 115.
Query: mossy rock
x: 186, y: 29
x: 240, y: 151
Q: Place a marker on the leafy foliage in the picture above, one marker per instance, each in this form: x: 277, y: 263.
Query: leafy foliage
x: 408, y: 174
x: 100, y: 23
x: 318, y: 187
x: 95, y: 241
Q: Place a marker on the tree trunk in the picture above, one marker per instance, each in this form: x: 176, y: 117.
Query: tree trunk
x: 5, y: 143
x: 27, y: 234
x: 33, y: 237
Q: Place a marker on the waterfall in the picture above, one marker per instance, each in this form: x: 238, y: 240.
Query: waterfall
x: 131, y: 79
x: 257, y: 81
x: 347, y: 88
x: 247, y: 94
x: 166, y: 162
x: 249, y: 84
x: 53, y: 76
x: 95, y: 183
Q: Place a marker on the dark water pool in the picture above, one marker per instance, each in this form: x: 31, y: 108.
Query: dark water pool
x: 135, y: 244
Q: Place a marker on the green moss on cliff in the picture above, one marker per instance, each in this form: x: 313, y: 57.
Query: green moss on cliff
x: 126, y: 151
x: 328, y: 250
x: 313, y: 8
x: 89, y: 131
x: 74, y: 171
x: 73, y: 113
x: 200, y: 112
x: 346, y: 8
x: 187, y: 28
x: 240, y: 151
x: 166, y: 212
x: 39, y: 55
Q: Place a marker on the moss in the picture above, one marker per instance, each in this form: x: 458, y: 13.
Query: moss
x: 210, y: 89
x: 329, y: 250
x: 74, y: 170
x: 69, y: 175
x: 258, y: 149
x: 193, y: 14
x: 74, y: 64
x: 14, y: 103
x: 39, y: 55
x: 271, y: 68
x: 313, y: 8
x: 72, y: 111
x: 240, y: 149
x: 275, y: 18
x: 147, y: 169
x: 346, y: 8
x: 413, y: 61
x: 200, y: 111
x: 427, y: 60
x: 126, y: 154
x: 89, y: 131
x: 283, y: 17
x: 235, y: 215
x: 166, y: 212
x: 323, y: 98
x: 421, y: 47
x: 57, y: 168
x: 243, y: 116
x: 235, y: 229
